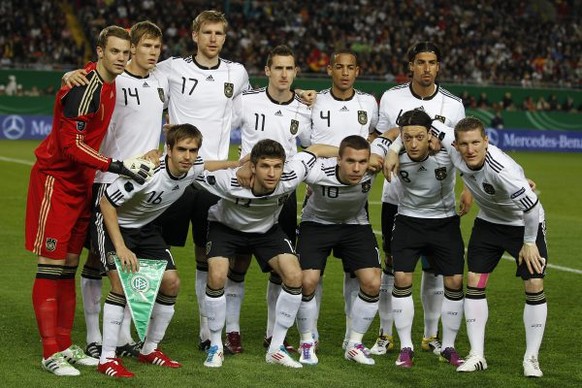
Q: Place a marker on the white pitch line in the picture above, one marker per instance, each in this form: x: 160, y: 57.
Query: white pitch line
x: 19, y: 161
x: 506, y: 257
x: 510, y: 258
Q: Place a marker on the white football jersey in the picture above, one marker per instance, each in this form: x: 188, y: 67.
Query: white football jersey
x: 204, y: 97
x: 500, y: 187
x: 136, y: 124
x: 138, y: 205
x: 260, y: 117
x: 428, y: 187
x: 333, y: 202
x: 442, y: 105
x: 334, y: 119
x: 240, y: 209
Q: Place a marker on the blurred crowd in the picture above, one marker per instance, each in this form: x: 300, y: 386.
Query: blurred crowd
x: 530, y: 43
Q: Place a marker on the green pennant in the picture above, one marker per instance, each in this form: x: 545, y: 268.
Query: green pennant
x: 141, y: 289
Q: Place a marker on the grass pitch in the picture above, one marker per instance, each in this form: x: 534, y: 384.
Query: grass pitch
x: 558, y: 180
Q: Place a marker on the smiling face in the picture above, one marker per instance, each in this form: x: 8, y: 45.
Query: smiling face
x: 281, y: 73
x: 416, y: 141
x: 182, y: 156
x: 209, y: 38
x: 267, y: 174
x: 424, y: 69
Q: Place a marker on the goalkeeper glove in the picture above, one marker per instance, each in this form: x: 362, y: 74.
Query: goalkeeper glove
x: 138, y: 170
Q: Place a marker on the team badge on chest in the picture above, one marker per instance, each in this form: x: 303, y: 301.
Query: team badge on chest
x: 294, y: 128
x: 228, y: 89
x: 366, y: 186
x: 362, y: 117
x: 440, y: 173
x: 488, y: 188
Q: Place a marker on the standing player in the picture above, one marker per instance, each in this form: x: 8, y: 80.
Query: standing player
x: 142, y: 94
x: 338, y: 112
x: 59, y: 198
x: 335, y: 217
x: 427, y: 225
x: 421, y: 92
x: 245, y: 221
x: 510, y: 218
x: 202, y: 89
x: 277, y: 113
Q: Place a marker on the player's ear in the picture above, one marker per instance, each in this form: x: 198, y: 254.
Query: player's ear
x: 195, y: 37
x: 132, y: 49
x: 99, y: 52
x: 267, y: 71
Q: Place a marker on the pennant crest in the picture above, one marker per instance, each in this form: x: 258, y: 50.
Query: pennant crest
x: 141, y: 289
x: 362, y: 117
x: 228, y: 89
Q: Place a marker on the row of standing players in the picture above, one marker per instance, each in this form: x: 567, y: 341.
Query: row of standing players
x: 210, y: 92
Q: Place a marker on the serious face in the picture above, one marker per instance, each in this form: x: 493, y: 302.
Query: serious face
x: 343, y: 72
x: 145, y: 55
x: 267, y: 174
x: 416, y: 141
x: 353, y: 165
x: 281, y: 73
x: 114, y: 56
x: 182, y: 156
x: 210, y: 39
x: 472, y: 146
x: 424, y: 68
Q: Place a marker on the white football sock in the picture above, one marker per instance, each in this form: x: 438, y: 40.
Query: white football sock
x: 112, y: 317
x: 91, y: 292
x: 273, y: 291
x: 534, y: 319
x: 432, y: 295
x: 216, y: 310
x: 285, y: 314
x: 385, y: 304
x: 452, y: 316
x: 476, y: 315
x: 403, y: 311
x: 161, y: 316
x: 235, y: 294
x: 201, y: 279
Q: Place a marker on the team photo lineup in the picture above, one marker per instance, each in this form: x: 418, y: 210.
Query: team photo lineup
x: 296, y: 195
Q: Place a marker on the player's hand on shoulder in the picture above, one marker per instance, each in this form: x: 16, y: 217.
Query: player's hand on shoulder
x: 75, y: 78
x: 465, y: 202
x: 307, y: 96
x: 434, y: 145
x: 152, y: 156
x: 376, y: 163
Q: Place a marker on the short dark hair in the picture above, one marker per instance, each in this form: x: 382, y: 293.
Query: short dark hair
x: 179, y: 132
x: 116, y: 31
x: 414, y: 117
x: 470, y: 123
x: 343, y: 51
x: 423, y: 47
x: 145, y: 29
x: 282, y: 51
x: 356, y: 142
x: 267, y: 148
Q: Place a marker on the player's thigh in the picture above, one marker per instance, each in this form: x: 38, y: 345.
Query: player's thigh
x: 56, y: 218
x: 225, y: 242
x: 408, y: 243
x: 175, y: 220
x: 513, y: 243
x: 357, y: 247
x: 288, y: 217
x: 266, y: 246
x: 446, y: 244
x: 485, y: 246
x: 314, y: 244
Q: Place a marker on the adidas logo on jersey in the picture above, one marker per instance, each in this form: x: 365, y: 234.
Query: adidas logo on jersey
x: 278, y: 113
x: 210, y: 78
x: 344, y: 109
x: 145, y: 85
x: 177, y: 187
x: 422, y: 169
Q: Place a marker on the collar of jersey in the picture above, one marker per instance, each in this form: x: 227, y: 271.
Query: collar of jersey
x: 342, y: 99
x: 436, y: 90
x: 205, y: 67
x: 277, y: 102
x: 136, y: 76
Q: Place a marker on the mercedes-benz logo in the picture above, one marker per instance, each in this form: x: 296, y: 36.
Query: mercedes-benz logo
x: 13, y: 127
x: 492, y: 135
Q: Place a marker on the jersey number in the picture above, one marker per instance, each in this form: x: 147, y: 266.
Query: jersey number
x: 259, y: 118
x: 404, y: 176
x: 184, y: 81
x: 130, y: 93
x: 329, y: 191
x: 325, y: 118
x: 154, y: 198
